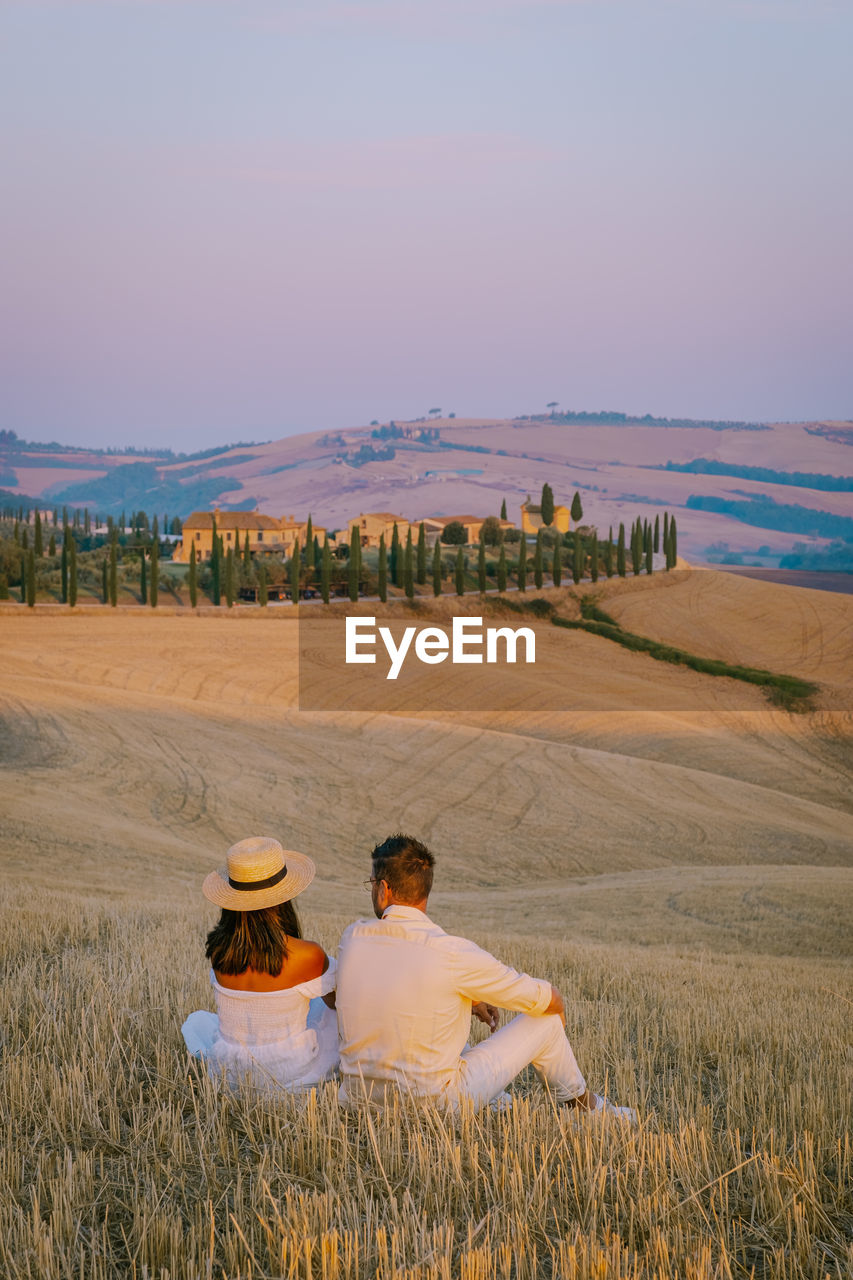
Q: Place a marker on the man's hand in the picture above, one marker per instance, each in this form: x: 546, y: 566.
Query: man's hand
x: 486, y: 1013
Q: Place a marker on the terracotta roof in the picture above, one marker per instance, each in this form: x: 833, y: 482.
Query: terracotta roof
x: 230, y: 520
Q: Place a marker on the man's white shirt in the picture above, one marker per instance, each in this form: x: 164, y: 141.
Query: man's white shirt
x: 404, y: 995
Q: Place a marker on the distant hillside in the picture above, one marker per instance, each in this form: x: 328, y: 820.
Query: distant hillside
x: 730, y: 474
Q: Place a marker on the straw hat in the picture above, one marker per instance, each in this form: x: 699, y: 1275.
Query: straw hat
x: 259, y: 873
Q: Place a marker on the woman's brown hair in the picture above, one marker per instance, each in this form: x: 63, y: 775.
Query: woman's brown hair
x: 252, y: 939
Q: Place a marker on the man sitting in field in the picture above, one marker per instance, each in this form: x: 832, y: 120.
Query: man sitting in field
x: 406, y: 992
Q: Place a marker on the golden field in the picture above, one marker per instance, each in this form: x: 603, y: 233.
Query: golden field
x: 683, y: 875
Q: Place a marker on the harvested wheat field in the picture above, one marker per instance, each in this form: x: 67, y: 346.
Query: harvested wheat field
x: 681, y: 867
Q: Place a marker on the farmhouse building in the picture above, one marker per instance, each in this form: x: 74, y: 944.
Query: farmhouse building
x: 531, y: 518
x: 372, y: 525
x: 434, y: 526
x: 266, y: 533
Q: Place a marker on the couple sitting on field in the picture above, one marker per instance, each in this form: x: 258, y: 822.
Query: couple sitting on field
x: 393, y: 1012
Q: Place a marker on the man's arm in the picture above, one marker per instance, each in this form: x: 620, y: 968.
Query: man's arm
x: 485, y: 981
x: 488, y: 1014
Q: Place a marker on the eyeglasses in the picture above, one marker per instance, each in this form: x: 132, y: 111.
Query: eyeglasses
x: 368, y: 884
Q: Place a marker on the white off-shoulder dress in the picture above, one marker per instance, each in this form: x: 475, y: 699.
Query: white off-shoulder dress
x: 276, y: 1038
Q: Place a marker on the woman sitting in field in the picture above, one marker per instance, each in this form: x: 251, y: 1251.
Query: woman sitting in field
x: 275, y: 992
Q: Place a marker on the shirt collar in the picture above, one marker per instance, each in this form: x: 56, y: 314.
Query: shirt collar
x: 399, y: 911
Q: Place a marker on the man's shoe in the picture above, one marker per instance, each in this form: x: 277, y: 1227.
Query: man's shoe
x: 602, y: 1107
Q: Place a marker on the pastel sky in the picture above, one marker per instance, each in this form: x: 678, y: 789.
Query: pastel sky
x: 237, y: 219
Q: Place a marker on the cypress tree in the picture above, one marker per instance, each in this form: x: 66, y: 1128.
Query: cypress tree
x: 502, y: 570
x: 673, y: 543
x: 317, y: 552
x: 546, y: 509
x: 620, y: 552
x: 51, y: 546
x: 657, y: 534
x: 38, y: 541
x: 229, y: 576
x: 608, y: 554
x: 154, y: 590
x: 577, y: 559
x: 383, y: 569
x: 577, y: 508
x: 593, y: 558
x: 87, y: 523
x: 557, y: 566
x: 193, y: 578
x: 105, y: 589
x: 143, y: 585
x: 422, y: 555
x: 215, y: 566
x: 25, y: 539
x: 63, y: 566
x: 649, y: 546
x: 636, y: 548
x: 408, y: 567
x: 665, y: 532
x: 395, y: 556
x: 31, y: 578
x: 354, y: 562
x: 537, y: 561
x: 503, y: 510
x: 55, y: 517
x: 436, y: 568
x: 326, y: 570
x: 114, y: 570
x: 309, y: 544
x: 72, y: 574
x: 295, y: 567
x: 247, y: 553
x: 460, y: 572
x: 481, y: 568
x: 522, y: 564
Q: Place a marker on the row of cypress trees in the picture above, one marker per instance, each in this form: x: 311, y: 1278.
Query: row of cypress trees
x: 403, y: 565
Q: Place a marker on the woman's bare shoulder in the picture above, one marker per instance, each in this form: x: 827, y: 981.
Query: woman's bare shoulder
x: 308, y: 957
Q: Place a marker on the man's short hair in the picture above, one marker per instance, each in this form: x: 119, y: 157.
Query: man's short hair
x: 406, y: 867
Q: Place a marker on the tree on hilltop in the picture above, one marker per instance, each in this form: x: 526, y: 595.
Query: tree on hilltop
x: 453, y: 534
x: 557, y: 566
x: 577, y: 508
x: 491, y: 533
x: 408, y: 567
x: 354, y: 564
x: 326, y: 570
x: 193, y: 577
x: 422, y: 555
x: 72, y: 574
x: 155, y: 566
x: 546, y: 505
x: 383, y: 570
